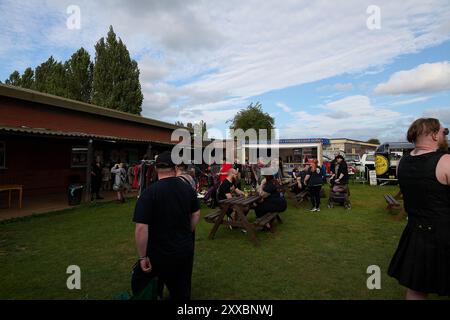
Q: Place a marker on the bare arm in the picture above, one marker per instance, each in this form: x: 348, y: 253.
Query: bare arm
x: 307, y: 178
x: 443, y: 170
x: 141, y: 237
x: 194, y: 219
x: 239, y: 191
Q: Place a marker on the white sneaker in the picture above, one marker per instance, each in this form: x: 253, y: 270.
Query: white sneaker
x: 318, y: 210
x: 313, y: 210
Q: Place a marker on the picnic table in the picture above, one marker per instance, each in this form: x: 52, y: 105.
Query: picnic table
x: 241, y: 205
x: 10, y: 188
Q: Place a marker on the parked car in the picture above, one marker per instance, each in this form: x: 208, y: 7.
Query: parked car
x: 353, y: 159
x: 367, y: 163
x: 368, y: 160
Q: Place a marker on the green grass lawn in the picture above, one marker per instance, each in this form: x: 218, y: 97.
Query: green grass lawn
x: 311, y: 256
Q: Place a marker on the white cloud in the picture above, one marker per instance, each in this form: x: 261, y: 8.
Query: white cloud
x: 350, y: 117
x: 283, y: 107
x: 343, y: 86
x: 409, y: 101
x: 195, y: 55
x: 427, y: 77
x: 443, y: 114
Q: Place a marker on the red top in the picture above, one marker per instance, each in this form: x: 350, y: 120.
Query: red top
x: 224, y: 170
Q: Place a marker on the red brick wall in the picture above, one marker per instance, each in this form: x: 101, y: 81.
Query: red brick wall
x: 17, y: 113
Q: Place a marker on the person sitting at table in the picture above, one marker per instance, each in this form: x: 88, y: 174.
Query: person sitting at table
x: 228, y: 187
x: 301, y: 185
x: 272, y: 200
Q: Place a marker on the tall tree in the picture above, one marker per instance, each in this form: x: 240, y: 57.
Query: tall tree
x: 116, y: 77
x: 14, y: 79
x: 27, y: 79
x: 253, y: 117
x: 79, y: 71
x: 50, y: 77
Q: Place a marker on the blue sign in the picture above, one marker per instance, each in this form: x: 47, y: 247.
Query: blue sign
x: 323, y: 141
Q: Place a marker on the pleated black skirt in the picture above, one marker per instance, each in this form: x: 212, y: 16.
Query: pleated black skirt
x: 422, y: 259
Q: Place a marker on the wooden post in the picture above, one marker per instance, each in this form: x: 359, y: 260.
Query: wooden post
x: 90, y: 156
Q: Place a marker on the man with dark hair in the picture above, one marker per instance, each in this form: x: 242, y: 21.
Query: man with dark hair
x: 166, y: 215
x: 422, y: 260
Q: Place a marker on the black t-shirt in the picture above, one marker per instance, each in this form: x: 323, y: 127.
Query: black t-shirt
x: 343, y: 168
x: 271, y: 189
x: 166, y: 207
x: 224, y: 188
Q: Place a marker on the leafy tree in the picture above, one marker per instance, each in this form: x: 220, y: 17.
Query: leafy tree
x: 14, y: 79
x: 50, y: 77
x: 79, y: 70
x: 116, y: 77
x: 373, y: 141
x: 253, y: 117
x: 27, y: 79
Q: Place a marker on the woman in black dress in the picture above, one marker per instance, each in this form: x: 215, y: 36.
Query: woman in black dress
x: 422, y: 260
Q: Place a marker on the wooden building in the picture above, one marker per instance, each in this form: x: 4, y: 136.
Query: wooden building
x: 47, y: 142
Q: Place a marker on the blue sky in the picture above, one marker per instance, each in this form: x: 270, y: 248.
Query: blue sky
x: 314, y: 65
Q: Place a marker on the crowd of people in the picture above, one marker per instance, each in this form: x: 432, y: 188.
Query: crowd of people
x: 167, y: 212
x: 311, y: 177
x: 121, y: 178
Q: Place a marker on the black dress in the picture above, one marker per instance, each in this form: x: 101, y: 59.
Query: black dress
x: 422, y: 259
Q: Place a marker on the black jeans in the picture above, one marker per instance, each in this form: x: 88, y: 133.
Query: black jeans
x: 176, y: 274
x: 315, y: 195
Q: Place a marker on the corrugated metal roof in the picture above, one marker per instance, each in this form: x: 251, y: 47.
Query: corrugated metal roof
x: 47, y: 132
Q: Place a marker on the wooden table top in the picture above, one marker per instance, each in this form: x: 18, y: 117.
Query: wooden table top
x: 10, y: 186
x: 244, y: 201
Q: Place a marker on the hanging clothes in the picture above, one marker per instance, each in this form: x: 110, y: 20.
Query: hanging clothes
x: 136, y: 176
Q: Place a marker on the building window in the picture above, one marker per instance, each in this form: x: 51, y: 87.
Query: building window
x: 2, y: 155
x: 79, y: 157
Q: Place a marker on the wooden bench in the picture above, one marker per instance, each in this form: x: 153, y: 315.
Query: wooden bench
x: 212, y: 217
x: 300, y: 197
x: 261, y: 222
x: 392, y: 203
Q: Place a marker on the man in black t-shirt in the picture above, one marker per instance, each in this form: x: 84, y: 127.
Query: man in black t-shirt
x: 228, y: 186
x: 166, y: 215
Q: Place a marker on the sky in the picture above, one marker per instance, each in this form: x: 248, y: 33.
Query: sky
x: 331, y: 69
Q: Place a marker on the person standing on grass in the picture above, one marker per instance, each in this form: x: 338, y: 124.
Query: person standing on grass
x: 106, y: 178
x: 314, y: 180
x: 120, y: 180
x: 96, y: 180
x: 166, y: 215
x: 422, y: 260
x: 183, y: 174
x: 341, y: 176
x: 130, y: 172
